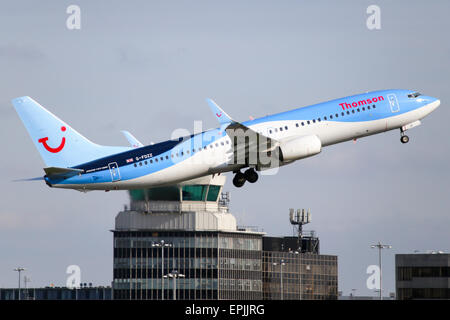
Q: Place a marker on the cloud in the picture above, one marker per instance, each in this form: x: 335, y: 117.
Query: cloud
x: 21, y: 52
x: 14, y: 221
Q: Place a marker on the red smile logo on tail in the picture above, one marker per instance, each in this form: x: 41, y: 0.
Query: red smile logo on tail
x: 50, y: 149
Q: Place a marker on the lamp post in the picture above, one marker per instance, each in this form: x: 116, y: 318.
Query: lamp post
x: 281, y: 263
x: 19, y: 270
x: 162, y: 244
x: 380, y: 247
x: 174, y: 275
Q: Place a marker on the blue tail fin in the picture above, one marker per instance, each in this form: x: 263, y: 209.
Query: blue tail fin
x: 57, y: 142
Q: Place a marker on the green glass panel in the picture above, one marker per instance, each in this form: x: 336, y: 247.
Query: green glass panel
x: 155, y: 194
x: 213, y: 193
x: 194, y: 193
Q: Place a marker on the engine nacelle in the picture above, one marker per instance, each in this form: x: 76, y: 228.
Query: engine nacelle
x: 300, y: 147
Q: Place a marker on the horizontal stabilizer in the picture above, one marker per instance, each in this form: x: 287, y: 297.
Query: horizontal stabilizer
x: 55, y: 172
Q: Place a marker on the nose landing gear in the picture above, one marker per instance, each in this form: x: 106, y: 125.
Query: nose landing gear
x: 249, y: 175
x: 404, y: 139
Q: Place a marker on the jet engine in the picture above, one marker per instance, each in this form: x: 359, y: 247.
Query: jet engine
x: 299, y: 148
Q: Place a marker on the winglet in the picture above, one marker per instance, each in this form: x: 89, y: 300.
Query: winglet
x: 220, y: 115
x: 135, y: 143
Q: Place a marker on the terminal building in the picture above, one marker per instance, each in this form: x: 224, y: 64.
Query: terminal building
x: 422, y: 276
x: 181, y: 242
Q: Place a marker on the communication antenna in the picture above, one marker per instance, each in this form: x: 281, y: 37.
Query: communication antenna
x: 298, y: 218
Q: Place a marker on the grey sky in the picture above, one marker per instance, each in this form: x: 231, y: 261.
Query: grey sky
x: 147, y: 66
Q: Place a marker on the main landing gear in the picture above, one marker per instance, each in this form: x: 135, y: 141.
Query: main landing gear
x: 249, y: 175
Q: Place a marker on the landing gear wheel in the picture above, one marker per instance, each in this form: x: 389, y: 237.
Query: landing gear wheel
x: 251, y: 175
x: 239, y: 179
x: 404, y: 139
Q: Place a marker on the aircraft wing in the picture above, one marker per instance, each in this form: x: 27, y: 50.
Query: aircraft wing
x: 135, y: 143
x: 252, y: 148
x: 219, y: 114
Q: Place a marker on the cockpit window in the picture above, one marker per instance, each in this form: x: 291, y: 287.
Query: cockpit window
x: 414, y: 95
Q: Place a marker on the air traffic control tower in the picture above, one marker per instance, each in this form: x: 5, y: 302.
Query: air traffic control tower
x: 181, y: 242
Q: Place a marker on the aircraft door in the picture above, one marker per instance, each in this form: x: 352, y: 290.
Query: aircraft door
x: 393, y: 102
x: 114, y: 170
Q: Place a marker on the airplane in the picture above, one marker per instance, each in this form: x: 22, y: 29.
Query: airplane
x: 74, y: 162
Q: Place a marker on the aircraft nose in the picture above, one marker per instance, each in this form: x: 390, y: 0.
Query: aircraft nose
x: 430, y: 102
x: 434, y: 103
